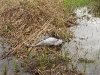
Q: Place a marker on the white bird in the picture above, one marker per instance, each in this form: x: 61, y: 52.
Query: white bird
x: 48, y: 41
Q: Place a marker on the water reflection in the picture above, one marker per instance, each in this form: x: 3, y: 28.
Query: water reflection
x: 9, y: 62
x: 86, y: 43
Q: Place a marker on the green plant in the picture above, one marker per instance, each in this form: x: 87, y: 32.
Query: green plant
x: 36, y: 55
x: 44, y: 59
x: 84, y: 66
x: 72, y: 4
x: 4, y: 28
x: 96, y: 64
x: 3, y: 43
x: 27, y: 52
x: 66, y: 59
x: 67, y: 37
x: 16, y: 66
x: 5, y: 70
x: 98, y: 54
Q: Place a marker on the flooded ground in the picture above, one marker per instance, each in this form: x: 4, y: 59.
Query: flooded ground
x: 86, y: 42
x: 8, y: 66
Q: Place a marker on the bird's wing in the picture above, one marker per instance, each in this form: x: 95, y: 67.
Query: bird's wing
x: 43, y: 38
x: 53, y: 41
x: 50, y: 41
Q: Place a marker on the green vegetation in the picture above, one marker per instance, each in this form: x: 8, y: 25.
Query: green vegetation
x: 4, y: 28
x: 72, y: 4
x: 67, y: 37
x: 27, y: 52
x: 74, y: 64
x: 84, y: 65
x: 66, y: 59
x: 16, y: 66
x: 96, y: 63
x: 5, y: 70
x: 3, y: 43
x: 44, y: 59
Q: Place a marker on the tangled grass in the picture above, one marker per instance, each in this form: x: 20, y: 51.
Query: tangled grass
x: 25, y: 21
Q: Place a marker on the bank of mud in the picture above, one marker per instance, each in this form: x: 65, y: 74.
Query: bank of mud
x: 23, y: 22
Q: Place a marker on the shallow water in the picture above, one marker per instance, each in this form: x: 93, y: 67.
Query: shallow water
x: 86, y: 41
x: 9, y: 61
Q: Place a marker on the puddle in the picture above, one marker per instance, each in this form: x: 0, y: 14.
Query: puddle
x: 9, y: 62
x: 86, y: 41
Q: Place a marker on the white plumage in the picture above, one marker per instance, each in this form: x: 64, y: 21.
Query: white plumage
x: 48, y: 41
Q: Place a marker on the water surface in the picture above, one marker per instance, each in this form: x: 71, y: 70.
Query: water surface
x: 9, y: 61
x: 86, y: 41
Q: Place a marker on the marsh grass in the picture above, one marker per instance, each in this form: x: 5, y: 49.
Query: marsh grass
x: 98, y: 53
x: 25, y: 22
x: 5, y: 70
x: 66, y: 59
x: 67, y: 37
x: 16, y: 66
x: 44, y: 60
x: 2, y: 43
x: 73, y: 4
x: 84, y: 66
x: 27, y: 52
x: 4, y: 29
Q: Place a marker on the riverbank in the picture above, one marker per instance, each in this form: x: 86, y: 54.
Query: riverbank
x: 25, y: 22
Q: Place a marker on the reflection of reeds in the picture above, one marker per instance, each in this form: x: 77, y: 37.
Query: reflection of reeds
x: 86, y: 60
x: 84, y: 66
x: 96, y: 63
x: 5, y: 70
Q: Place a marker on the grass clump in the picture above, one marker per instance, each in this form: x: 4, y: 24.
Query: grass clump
x: 72, y: 4
x: 49, y: 64
x: 66, y: 59
x: 85, y: 66
x: 44, y: 59
x: 16, y: 66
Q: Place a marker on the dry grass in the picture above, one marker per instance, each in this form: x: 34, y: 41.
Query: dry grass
x: 25, y: 21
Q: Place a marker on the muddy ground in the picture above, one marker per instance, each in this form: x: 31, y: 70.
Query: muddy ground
x: 23, y: 22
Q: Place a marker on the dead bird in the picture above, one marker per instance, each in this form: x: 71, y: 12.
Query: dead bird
x: 48, y: 41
